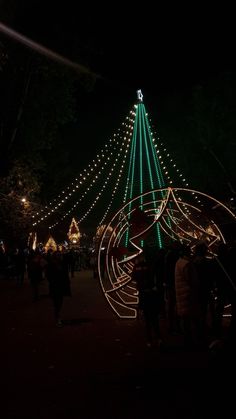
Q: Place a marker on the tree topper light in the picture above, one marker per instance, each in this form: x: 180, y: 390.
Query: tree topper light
x: 140, y: 95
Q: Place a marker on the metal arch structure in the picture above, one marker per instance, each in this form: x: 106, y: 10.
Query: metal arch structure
x: 178, y: 217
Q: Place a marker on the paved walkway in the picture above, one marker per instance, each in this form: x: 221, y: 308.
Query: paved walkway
x: 96, y: 366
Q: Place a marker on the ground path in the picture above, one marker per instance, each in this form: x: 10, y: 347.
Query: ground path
x: 96, y: 366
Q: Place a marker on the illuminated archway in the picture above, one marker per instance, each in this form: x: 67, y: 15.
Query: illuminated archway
x: 178, y: 218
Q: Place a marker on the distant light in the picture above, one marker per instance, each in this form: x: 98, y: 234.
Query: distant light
x: 140, y: 95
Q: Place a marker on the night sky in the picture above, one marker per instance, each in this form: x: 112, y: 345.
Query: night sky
x: 157, y: 50
x: 163, y: 51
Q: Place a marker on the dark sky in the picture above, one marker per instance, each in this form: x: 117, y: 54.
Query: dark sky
x: 162, y: 50
x: 148, y: 47
x: 165, y: 51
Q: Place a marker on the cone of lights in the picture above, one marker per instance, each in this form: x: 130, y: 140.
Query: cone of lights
x: 132, y: 162
x: 74, y: 233
x: 51, y: 244
x: 135, y: 173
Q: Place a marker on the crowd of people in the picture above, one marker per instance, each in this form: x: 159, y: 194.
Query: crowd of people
x: 190, y: 287
x: 55, y: 266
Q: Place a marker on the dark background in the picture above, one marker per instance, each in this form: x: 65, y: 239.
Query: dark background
x: 173, y: 53
x: 162, y: 50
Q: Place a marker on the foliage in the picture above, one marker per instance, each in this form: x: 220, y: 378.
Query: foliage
x: 213, y: 129
x: 15, y: 214
x: 199, y: 128
x: 39, y: 102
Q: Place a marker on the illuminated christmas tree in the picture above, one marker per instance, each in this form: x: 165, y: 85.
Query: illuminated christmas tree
x: 133, y: 162
x: 74, y: 233
x: 144, y: 171
x: 51, y: 244
x: 145, y: 200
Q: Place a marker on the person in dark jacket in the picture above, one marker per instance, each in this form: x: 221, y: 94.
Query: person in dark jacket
x: 36, y: 265
x: 205, y: 272
x: 149, y: 300
x: 59, y: 283
x: 171, y: 257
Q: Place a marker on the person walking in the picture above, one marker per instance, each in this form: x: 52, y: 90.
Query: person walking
x: 187, y: 296
x: 57, y: 273
x: 149, y: 301
x: 35, y: 267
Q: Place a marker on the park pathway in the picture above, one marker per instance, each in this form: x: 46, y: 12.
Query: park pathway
x: 96, y: 366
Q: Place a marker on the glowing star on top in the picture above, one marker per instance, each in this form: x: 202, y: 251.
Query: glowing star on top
x: 140, y: 95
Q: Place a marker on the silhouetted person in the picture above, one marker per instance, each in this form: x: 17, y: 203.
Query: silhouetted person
x: 19, y: 261
x: 226, y: 288
x: 149, y: 300
x: 159, y: 278
x: 71, y: 261
x: 59, y: 283
x: 103, y: 262
x: 3, y: 262
x: 205, y: 275
x: 171, y: 257
x: 36, y: 265
x: 187, y: 298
